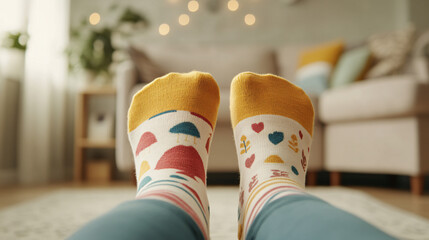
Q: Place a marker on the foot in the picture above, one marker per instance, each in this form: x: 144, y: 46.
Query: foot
x: 170, y: 124
x: 273, y: 127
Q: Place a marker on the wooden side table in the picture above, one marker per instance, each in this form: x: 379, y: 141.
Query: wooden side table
x: 81, y: 129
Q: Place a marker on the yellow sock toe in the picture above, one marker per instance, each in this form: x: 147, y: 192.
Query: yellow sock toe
x: 256, y: 94
x: 195, y: 92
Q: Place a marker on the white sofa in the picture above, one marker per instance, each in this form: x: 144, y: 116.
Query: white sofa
x: 223, y: 62
x: 380, y: 126
x: 373, y: 126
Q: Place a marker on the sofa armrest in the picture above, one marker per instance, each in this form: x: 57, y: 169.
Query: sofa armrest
x: 126, y: 78
x: 421, y: 69
x: 388, y: 97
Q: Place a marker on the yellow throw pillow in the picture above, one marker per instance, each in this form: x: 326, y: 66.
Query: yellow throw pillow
x: 316, y: 65
x: 328, y: 52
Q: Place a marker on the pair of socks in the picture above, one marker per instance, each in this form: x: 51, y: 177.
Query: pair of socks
x: 171, y: 123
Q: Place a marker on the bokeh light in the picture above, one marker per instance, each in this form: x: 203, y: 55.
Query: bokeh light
x: 250, y: 19
x: 94, y: 18
x: 193, y: 6
x: 164, y: 29
x: 233, y: 5
x: 184, y: 19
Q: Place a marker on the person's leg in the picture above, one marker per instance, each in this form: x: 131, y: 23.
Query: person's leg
x: 141, y: 219
x: 273, y: 127
x: 170, y: 123
x: 307, y: 217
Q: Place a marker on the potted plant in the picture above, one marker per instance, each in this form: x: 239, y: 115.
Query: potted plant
x: 12, y: 56
x: 93, y: 48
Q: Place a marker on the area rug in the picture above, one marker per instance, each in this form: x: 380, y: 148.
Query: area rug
x: 59, y: 214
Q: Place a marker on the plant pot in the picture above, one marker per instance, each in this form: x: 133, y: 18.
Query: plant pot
x: 12, y: 63
x: 93, y: 79
x: 89, y: 78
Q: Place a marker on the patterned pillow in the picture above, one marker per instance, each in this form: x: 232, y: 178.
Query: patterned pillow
x: 420, y: 64
x: 147, y: 70
x: 315, y: 66
x: 390, y: 51
x: 351, y: 67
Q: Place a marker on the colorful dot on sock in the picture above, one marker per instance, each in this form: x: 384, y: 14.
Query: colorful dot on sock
x: 146, y: 140
x: 144, y: 182
x: 208, y: 143
x: 273, y: 159
x: 185, y: 159
x: 276, y: 137
x: 258, y: 127
x: 187, y: 128
x: 144, y: 167
x: 294, y: 170
x: 249, y: 161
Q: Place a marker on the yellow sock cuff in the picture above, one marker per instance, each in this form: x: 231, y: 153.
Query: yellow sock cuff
x: 196, y: 92
x: 254, y: 94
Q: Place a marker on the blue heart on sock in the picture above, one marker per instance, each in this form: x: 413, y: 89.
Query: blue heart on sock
x: 276, y: 137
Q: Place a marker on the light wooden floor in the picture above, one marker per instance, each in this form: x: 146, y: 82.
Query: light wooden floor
x: 398, y: 198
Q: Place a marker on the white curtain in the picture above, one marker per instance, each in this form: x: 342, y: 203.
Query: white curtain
x: 12, y: 19
x: 42, y: 124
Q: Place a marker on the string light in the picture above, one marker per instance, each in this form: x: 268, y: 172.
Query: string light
x: 184, y: 19
x: 164, y: 29
x: 94, y: 18
x: 250, y: 19
x: 193, y: 6
x: 233, y: 5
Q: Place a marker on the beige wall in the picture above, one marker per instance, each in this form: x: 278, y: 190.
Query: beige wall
x: 277, y: 23
x: 419, y: 13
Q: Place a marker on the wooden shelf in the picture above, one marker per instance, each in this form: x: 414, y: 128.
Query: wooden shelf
x: 82, y: 143
x: 88, y: 143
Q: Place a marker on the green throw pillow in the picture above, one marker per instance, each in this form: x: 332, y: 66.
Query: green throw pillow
x: 351, y: 67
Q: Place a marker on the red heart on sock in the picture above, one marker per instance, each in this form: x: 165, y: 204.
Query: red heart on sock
x: 258, y: 127
x: 300, y: 134
x: 250, y: 160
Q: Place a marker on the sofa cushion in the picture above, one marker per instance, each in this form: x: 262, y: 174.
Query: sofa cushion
x: 326, y: 52
x: 390, y: 51
x: 351, y: 67
x: 222, y: 62
x: 315, y: 66
x: 392, y: 96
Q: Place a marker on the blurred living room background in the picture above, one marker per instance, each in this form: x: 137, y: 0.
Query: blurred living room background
x: 68, y: 70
